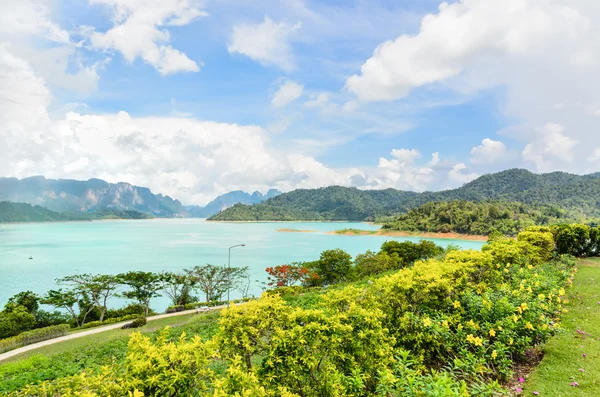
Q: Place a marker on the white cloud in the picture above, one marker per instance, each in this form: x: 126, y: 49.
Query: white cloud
x: 267, y: 43
x: 489, y: 152
x: 551, y: 149
x: 459, y: 175
x: 595, y: 157
x: 406, y: 156
x: 317, y: 100
x: 458, y: 36
x: 137, y: 32
x: 287, y: 93
x: 29, y: 17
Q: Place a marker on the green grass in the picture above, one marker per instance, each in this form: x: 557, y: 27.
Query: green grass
x: 564, y: 354
x: 92, y: 351
x: 355, y: 231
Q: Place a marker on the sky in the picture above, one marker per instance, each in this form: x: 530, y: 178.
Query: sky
x: 198, y: 98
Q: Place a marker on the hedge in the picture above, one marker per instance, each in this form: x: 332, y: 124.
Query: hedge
x: 195, y: 305
x: 33, y: 336
x: 108, y: 321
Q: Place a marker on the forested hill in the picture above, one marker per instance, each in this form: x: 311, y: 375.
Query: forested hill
x: 23, y: 212
x: 573, y: 192
x: 479, y: 218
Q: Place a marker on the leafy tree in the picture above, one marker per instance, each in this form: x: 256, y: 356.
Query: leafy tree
x: 371, y: 263
x: 99, y: 288
x: 68, y: 300
x: 178, y: 287
x: 406, y: 252
x: 333, y: 266
x: 292, y: 274
x: 213, y: 281
x: 28, y: 299
x: 14, y: 320
x: 143, y: 286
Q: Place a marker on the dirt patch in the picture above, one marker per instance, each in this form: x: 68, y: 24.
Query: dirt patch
x: 455, y: 236
x: 523, y: 370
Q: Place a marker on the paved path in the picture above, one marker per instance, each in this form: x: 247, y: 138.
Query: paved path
x: 91, y: 331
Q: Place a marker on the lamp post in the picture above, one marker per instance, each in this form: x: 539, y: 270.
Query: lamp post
x: 229, y: 271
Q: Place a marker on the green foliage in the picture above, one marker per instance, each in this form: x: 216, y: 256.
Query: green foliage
x: 22, y: 212
x: 138, y: 322
x: 477, y: 218
x: 14, y: 320
x: 33, y: 336
x: 178, y: 287
x: 333, y: 266
x: 553, y: 196
x: 406, y: 253
x: 143, y: 286
x: 27, y: 299
x: 213, y: 281
x: 108, y: 321
x: 371, y: 263
x: 452, y: 325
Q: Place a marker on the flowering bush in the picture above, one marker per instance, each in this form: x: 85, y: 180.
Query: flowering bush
x: 444, y: 327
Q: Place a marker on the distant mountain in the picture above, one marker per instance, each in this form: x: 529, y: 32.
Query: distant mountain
x: 23, y: 212
x: 574, y: 192
x: 67, y: 195
x: 227, y: 200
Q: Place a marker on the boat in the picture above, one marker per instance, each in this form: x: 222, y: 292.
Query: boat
x: 31, y: 257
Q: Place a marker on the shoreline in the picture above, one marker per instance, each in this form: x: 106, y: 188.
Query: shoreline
x: 286, y: 230
x: 451, y: 236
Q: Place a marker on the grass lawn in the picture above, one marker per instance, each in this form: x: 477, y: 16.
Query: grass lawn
x: 573, y: 356
x: 92, y: 351
x: 103, y: 337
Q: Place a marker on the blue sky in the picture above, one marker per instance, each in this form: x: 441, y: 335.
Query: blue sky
x: 196, y: 98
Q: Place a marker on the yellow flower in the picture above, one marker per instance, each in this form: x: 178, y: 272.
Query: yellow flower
x: 456, y: 304
x: 499, y: 328
x: 459, y: 327
x: 519, y: 309
x: 541, y: 296
x: 492, y: 332
x: 474, y: 340
x: 529, y: 290
x: 494, y: 354
x: 427, y: 322
x: 544, y: 326
x: 505, y: 270
x: 528, y: 325
x: 445, y: 324
x: 515, y: 318
x: 529, y: 267
x: 561, y: 291
x: 524, y: 306
x: 510, y: 341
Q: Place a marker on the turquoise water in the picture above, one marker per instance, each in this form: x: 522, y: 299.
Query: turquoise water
x: 65, y: 248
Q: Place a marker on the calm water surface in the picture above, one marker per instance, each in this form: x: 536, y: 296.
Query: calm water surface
x: 65, y: 248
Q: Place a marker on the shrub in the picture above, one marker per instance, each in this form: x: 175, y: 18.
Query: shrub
x: 33, y: 336
x: 114, y: 320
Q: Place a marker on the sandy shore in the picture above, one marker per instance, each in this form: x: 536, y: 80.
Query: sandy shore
x: 454, y: 236
x: 285, y: 230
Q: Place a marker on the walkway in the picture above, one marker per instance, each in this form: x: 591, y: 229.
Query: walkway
x: 91, y: 331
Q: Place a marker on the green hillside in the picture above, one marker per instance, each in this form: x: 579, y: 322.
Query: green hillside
x: 22, y: 212
x: 478, y: 218
x: 573, y: 192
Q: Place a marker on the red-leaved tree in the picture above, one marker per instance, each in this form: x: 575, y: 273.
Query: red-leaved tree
x: 287, y: 275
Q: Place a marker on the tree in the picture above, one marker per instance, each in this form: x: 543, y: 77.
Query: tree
x: 214, y: 281
x: 28, y: 299
x: 333, y: 266
x: 67, y: 300
x: 178, y: 287
x: 406, y: 252
x: 143, y: 287
x: 371, y: 263
x: 99, y: 288
x: 15, y: 320
x: 287, y: 275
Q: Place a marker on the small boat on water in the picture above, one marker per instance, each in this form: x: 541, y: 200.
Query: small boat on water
x: 31, y: 257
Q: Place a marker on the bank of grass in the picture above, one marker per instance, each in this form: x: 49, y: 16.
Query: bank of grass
x: 574, y: 355
x: 93, y: 351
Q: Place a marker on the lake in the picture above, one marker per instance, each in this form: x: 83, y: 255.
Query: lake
x: 65, y: 248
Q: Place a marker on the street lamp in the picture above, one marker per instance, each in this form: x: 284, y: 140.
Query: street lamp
x: 229, y: 271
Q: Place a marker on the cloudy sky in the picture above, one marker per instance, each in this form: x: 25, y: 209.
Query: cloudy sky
x: 197, y: 98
